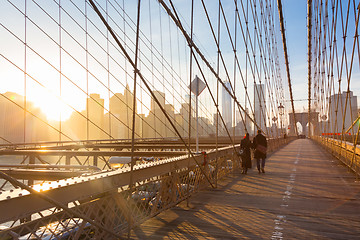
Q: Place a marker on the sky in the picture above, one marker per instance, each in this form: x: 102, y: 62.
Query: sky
x: 72, y: 94
x: 295, y: 15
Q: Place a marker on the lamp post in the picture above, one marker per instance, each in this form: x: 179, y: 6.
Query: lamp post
x: 281, y: 113
x: 273, y: 128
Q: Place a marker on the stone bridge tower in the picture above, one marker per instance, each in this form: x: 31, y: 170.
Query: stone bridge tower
x: 302, y: 118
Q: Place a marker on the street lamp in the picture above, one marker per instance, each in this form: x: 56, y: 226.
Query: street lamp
x: 281, y: 113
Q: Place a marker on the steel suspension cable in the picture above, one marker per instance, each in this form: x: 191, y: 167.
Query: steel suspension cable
x: 147, y: 86
x: 282, y: 27
x: 175, y: 19
x: 309, y: 8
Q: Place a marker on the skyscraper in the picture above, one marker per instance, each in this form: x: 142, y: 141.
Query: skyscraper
x: 227, y: 105
x: 156, y: 116
x: 259, y: 106
x: 16, y: 125
x: 160, y: 97
x: 95, y: 109
x: 337, y: 110
x: 243, y: 123
x: 121, y: 114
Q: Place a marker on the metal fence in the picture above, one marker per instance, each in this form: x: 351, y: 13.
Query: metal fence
x: 104, y: 205
x: 346, y: 152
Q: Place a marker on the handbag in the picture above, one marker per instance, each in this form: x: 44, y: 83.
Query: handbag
x: 261, y: 149
x: 241, y: 152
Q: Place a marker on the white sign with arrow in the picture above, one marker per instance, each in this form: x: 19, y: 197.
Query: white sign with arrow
x: 196, y: 87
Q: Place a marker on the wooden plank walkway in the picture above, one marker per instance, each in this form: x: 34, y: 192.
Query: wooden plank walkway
x: 304, y: 194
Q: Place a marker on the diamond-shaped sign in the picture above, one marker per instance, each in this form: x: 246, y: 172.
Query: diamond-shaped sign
x: 197, y: 86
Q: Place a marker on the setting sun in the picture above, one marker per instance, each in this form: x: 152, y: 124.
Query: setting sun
x: 53, y: 107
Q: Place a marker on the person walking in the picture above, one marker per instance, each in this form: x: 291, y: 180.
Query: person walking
x: 260, y: 146
x: 245, y: 146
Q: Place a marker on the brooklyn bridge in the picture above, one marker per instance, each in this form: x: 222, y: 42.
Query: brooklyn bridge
x: 141, y: 119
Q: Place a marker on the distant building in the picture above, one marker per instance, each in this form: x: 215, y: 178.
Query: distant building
x: 226, y: 109
x: 95, y: 111
x: 77, y: 125
x: 156, y: 117
x: 243, y: 124
x: 170, y: 111
x: 337, y: 111
x: 120, y: 107
x: 193, y: 104
x: 183, y: 119
x: 221, y: 128
x: 18, y: 125
x: 160, y: 96
x: 259, y: 106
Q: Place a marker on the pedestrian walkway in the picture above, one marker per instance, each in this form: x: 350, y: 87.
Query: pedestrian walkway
x: 304, y: 194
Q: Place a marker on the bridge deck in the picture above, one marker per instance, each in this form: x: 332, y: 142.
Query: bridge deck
x: 305, y: 194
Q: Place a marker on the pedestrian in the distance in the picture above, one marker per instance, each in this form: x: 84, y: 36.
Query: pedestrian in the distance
x: 260, y: 146
x: 245, y: 145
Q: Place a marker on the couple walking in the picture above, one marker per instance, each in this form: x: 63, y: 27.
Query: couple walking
x: 259, y: 144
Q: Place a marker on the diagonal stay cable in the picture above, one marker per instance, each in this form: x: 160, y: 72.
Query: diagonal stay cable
x: 282, y: 27
x: 254, y: 68
x: 208, y: 87
x: 134, y: 111
x: 350, y: 72
x: 220, y: 57
x: 186, y: 35
x: 148, y: 87
x: 261, y: 61
x: 170, y: 71
x: 250, y: 44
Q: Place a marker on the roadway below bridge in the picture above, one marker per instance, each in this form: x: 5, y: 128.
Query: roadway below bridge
x: 304, y: 194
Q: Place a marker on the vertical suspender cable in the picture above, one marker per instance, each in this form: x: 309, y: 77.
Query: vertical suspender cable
x: 235, y: 57
x: 217, y: 98
x: 60, y: 68
x: 206, y: 62
x: 25, y: 69
x: 108, y: 63
x: 87, y: 72
x: 246, y: 60
x: 348, y: 81
x: 148, y: 88
x: 190, y: 76
x: 134, y: 107
x: 309, y: 9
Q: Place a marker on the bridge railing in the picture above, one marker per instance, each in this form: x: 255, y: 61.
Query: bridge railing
x: 107, y: 204
x: 343, y: 150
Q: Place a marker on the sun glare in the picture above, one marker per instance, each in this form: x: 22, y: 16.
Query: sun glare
x: 53, y: 108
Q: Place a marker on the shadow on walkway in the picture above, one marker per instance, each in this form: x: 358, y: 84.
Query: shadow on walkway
x: 305, y: 194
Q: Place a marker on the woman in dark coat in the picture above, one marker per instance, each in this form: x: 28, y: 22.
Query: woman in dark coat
x: 245, y: 145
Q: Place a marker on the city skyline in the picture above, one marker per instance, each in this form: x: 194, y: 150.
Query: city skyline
x: 64, y: 61
x: 59, y: 77
x: 116, y: 122
x: 96, y: 123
